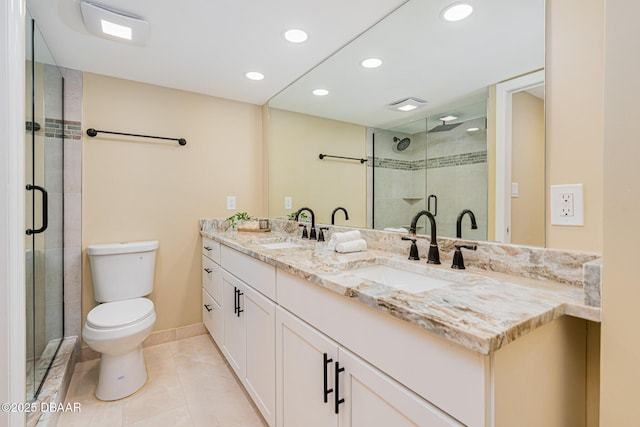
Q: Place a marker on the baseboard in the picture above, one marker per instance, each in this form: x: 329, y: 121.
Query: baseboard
x: 158, y: 337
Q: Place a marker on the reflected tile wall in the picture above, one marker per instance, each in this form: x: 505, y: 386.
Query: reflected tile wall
x: 72, y: 201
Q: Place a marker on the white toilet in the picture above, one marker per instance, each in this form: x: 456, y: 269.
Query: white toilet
x: 122, y: 275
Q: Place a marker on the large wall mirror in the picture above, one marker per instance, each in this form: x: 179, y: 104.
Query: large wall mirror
x: 451, y: 120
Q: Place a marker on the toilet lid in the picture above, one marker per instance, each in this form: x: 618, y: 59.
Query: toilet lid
x: 119, y: 313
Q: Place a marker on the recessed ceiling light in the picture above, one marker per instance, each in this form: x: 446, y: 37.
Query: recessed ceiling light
x: 113, y: 24
x: 115, y: 30
x: 321, y: 92
x: 473, y: 129
x: 254, y: 75
x: 456, y: 12
x: 407, y: 107
x: 448, y: 118
x: 371, y: 63
x: 295, y: 36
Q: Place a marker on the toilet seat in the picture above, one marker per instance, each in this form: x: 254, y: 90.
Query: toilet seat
x: 120, y: 314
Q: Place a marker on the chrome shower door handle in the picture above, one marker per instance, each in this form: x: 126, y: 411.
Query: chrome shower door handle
x: 45, y: 210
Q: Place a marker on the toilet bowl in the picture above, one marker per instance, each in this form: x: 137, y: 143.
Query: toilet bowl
x: 122, y: 275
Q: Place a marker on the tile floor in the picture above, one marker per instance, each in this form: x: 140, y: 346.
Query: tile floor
x: 189, y: 384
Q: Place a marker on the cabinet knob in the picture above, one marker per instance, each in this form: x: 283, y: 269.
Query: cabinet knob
x: 208, y: 248
x: 208, y: 307
x: 208, y: 270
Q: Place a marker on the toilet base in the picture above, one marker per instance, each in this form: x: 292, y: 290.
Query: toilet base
x: 121, y: 375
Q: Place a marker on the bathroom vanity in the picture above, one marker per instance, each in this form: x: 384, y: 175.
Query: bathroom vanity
x: 325, y: 339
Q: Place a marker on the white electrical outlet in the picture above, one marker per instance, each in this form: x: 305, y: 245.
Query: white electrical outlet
x: 231, y: 203
x: 567, y: 205
x: 288, y: 202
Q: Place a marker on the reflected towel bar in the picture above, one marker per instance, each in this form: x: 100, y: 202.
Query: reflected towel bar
x: 94, y: 132
x: 322, y: 156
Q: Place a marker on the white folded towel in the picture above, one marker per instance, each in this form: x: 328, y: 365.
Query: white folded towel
x: 343, y: 237
x: 352, y: 246
x: 398, y: 230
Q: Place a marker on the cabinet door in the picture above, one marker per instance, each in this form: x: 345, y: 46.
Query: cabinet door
x: 212, y: 317
x: 373, y: 399
x: 233, y: 346
x: 300, y: 374
x: 260, y: 375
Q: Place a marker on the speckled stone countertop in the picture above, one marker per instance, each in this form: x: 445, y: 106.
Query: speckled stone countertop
x: 481, y: 310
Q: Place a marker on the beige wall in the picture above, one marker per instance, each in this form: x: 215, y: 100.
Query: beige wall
x: 295, y: 141
x: 491, y: 164
x: 136, y: 189
x: 574, y: 125
x: 574, y: 138
x: 527, y: 150
x: 620, y: 392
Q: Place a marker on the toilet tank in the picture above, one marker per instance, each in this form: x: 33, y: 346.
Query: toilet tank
x: 122, y: 270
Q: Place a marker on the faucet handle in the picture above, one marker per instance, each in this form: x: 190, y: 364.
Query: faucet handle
x: 413, y: 252
x: 458, y: 260
x: 305, y: 234
x: 321, y: 234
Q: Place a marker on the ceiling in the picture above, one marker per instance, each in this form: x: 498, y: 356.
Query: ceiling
x: 448, y: 64
x: 206, y: 46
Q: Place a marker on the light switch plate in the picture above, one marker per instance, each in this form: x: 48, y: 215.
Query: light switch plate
x: 288, y: 202
x: 515, y: 189
x: 567, y: 205
x: 231, y: 203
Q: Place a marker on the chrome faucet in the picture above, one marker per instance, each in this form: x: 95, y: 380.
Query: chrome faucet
x: 312, y: 232
x: 333, y: 214
x: 474, y: 226
x: 434, y: 254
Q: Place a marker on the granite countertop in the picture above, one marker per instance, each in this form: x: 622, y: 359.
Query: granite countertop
x: 480, y: 310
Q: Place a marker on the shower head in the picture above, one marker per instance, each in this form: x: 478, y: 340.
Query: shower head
x: 444, y: 127
x: 402, y: 143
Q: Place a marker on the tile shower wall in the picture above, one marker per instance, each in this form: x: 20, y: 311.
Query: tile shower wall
x: 72, y: 129
x: 398, y: 179
x: 450, y: 165
x: 457, y: 174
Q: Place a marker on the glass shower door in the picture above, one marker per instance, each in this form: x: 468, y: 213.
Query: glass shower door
x: 43, y: 209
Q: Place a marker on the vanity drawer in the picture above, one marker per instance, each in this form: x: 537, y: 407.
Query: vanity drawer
x: 212, y: 316
x: 212, y: 278
x: 255, y: 273
x: 211, y: 249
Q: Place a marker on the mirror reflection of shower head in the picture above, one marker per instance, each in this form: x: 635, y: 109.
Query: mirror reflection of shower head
x: 402, y: 143
x: 444, y: 127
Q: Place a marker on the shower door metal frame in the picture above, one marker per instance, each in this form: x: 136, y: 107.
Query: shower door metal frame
x: 31, y: 230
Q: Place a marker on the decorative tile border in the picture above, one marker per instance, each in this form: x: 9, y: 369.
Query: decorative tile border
x: 55, y: 128
x: 434, y: 163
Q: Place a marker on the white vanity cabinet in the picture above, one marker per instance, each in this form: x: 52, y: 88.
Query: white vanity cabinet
x: 212, y: 315
x: 249, y: 328
x: 301, y: 351
x: 320, y: 383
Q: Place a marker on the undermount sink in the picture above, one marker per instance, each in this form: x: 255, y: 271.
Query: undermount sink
x: 400, y: 279
x: 280, y: 245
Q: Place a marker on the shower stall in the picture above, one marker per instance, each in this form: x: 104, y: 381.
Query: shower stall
x: 44, y: 208
x: 438, y: 164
